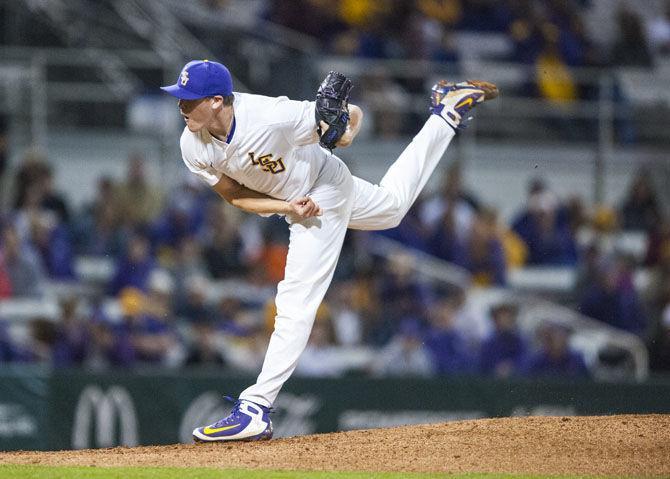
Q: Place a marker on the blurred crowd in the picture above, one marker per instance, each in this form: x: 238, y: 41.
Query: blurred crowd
x: 554, y: 47
x: 193, y: 280
x: 545, y: 31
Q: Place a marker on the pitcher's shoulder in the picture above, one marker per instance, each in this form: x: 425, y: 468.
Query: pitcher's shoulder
x: 193, y: 143
x: 266, y: 110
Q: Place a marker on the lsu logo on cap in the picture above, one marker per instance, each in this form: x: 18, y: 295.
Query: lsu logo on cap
x: 184, y: 78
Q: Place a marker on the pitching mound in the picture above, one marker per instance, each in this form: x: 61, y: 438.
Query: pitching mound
x: 608, y: 445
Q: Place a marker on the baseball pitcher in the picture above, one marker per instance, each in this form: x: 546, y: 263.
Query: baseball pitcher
x: 274, y: 156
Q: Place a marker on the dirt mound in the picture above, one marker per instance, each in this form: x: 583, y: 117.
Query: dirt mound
x: 612, y: 445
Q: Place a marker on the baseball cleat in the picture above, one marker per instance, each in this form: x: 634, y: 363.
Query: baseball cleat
x: 247, y: 421
x: 451, y: 101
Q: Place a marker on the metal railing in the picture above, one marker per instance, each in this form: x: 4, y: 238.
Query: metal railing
x: 591, y: 338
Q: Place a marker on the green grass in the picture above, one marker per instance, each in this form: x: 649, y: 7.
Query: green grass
x: 47, y: 472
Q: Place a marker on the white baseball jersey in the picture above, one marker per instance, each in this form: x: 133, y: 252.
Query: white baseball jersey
x: 273, y: 149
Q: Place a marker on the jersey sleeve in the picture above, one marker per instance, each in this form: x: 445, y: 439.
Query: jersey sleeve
x: 196, y: 162
x: 298, y: 121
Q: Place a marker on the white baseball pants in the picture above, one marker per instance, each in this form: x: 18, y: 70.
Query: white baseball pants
x: 315, y: 244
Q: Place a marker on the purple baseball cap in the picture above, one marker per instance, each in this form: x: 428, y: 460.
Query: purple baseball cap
x: 200, y: 79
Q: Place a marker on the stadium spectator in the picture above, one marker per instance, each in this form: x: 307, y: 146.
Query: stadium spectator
x: 135, y: 266
x: 245, y: 353
x: 149, y: 322
x: 154, y: 340
x: 448, y: 348
x: 227, y: 310
x: 99, y: 233
x: 544, y: 229
x: 97, y: 229
x: 52, y: 242
x: 428, y: 37
x: 223, y: 248
x: 193, y: 305
x: 503, y: 353
x: 51, y: 200
x: 554, y: 79
x: 27, y: 179
x: 658, y: 246
x: 449, y: 216
x: 71, y: 345
x: 555, y: 358
x: 588, y: 269
x: 183, y: 216
x: 160, y: 296
x: 386, y: 99
x: 483, y: 253
x: 21, y: 264
x: 411, y: 231
x: 6, y: 347
x: 361, y: 295
x: 469, y: 322
x: 187, y: 263
x: 246, y: 333
x: 270, y: 259
x: 346, y: 313
x: 451, y: 192
x: 325, y: 23
x: 43, y: 335
x: 405, y: 354
x: 613, y: 299
x: 370, y: 21
x: 136, y: 201
x: 577, y: 217
x: 35, y: 196
x: 205, y: 347
x: 514, y: 248
x: 322, y: 358
x: 400, y: 295
x: 631, y: 48
x: 524, y: 29
x: 640, y: 209
x: 450, y: 234
x: 104, y: 195
x: 574, y: 45
x: 110, y: 345
x: 349, y: 256
x: 9, y: 350
x: 446, y: 12
x: 489, y: 15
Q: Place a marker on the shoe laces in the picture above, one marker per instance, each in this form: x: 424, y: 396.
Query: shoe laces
x: 234, y: 416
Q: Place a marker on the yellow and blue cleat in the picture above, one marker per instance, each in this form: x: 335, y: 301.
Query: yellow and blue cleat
x: 247, y: 421
x: 451, y: 101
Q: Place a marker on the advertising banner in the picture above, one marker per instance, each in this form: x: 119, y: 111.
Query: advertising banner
x: 74, y: 410
x: 23, y: 409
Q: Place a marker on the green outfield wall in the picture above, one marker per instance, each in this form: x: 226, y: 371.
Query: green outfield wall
x: 70, y: 409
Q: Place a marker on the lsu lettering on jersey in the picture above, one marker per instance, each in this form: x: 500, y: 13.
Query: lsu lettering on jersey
x: 273, y: 149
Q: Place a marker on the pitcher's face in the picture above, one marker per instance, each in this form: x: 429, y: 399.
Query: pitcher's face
x: 198, y: 113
